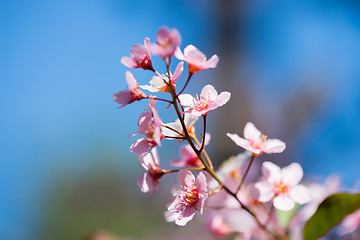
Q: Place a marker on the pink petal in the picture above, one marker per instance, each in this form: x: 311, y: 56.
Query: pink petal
x: 179, y: 69
x: 145, y: 183
x: 175, y: 36
x: 284, y: 203
x: 212, y: 62
x: 194, y: 56
x: 201, y: 182
x: 186, y: 152
x: 155, y: 155
x: 209, y: 90
x: 179, y: 55
x: 146, y: 42
x: 140, y: 146
x: 242, y: 142
x: 300, y: 194
x: 271, y: 172
x: 251, y: 132
x: 223, y: 98
x: 123, y: 98
x: 186, y: 178
x: 131, y: 81
x: 129, y: 62
x: 273, y: 146
x: 185, y: 216
x: 200, y: 204
x: 292, y: 174
x: 265, y: 192
x: 186, y: 100
x: 171, y: 216
x: 138, y: 52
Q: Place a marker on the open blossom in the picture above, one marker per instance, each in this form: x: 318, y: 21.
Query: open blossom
x: 140, y: 57
x: 166, y: 42
x: 175, y: 130
x: 130, y: 95
x: 282, y: 185
x: 209, y: 100
x: 149, y: 125
x: 189, y: 198
x: 157, y: 83
x: 196, y: 59
x: 188, y: 156
x: 149, y: 181
x: 256, y: 142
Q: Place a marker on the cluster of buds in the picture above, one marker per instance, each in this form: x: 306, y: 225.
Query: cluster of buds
x: 230, y: 206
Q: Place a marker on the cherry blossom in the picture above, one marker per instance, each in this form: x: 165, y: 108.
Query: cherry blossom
x: 157, y: 84
x: 209, y: 100
x: 188, y: 156
x: 140, y: 57
x: 166, y: 42
x: 282, y: 185
x: 196, y: 59
x: 256, y: 142
x: 149, y: 125
x: 188, y: 199
x: 149, y: 181
x: 130, y: 95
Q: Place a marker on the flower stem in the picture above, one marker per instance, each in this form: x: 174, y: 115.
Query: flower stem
x: 246, y: 172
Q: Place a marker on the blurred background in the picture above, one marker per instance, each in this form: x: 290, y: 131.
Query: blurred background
x: 66, y: 171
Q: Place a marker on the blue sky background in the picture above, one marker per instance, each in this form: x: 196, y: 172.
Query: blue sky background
x: 60, y: 65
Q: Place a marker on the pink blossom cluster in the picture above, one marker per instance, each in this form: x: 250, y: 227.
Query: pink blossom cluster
x: 239, y: 198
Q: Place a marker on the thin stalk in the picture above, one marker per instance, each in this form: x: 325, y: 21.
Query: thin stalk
x: 187, y: 81
x: 246, y: 172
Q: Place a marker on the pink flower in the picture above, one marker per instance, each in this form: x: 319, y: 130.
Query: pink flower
x: 209, y: 100
x: 256, y: 142
x: 149, y: 125
x: 149, y: 181
x: 282, y: 185
x: 167, y: 41
x: 196, y: 59
x: 189, y: 198
x: 157, y: 84
x: 140, y: 57
x: 130, y: 95
x: 188, y: 156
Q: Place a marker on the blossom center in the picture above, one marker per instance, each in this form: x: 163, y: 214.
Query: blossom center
x: 189, y: 195
x: 202, y: 104
x: 280, y: 188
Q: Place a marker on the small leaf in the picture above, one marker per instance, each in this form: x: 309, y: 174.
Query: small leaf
x: 330, y: 213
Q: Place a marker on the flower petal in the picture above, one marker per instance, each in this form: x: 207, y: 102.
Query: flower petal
x: 129, y: 62
x: 209, y: 91
x: 264, y: 191
x: 212, y: 62
x: 284, y: 203
x: 131, y: 81
x: 223, y: 98
x: 186, y: 178
x: 292, y: 174
x: 186, y: 100
x: 273, y: 146
x: 140, y: 146
x: 300, y: 194
x: 201, y: 182
x: 251, y: 132
x: 271, y: 172
x: 185, y: 216
x: 178, y: 70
